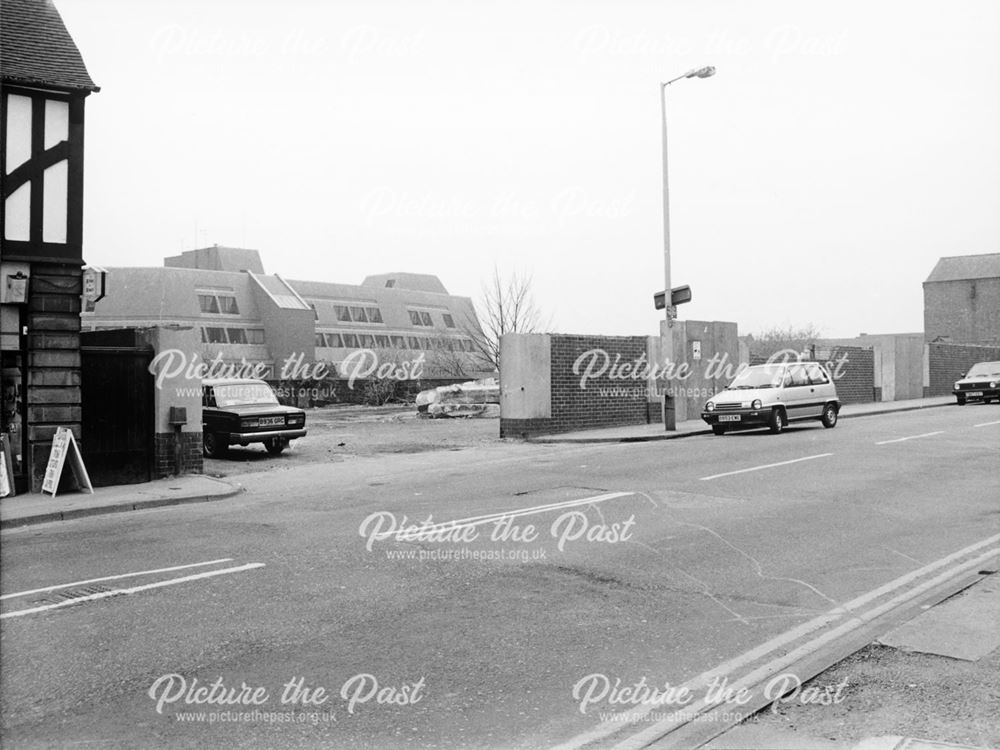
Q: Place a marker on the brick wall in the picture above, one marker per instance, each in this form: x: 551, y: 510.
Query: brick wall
x: 164, y: 454
x: 946, y: 363
x: 605, y: 402
x: 966, y: 311
x: 853, y: 368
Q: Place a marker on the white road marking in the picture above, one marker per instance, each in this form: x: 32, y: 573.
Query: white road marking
x: 911, y: 437
x: 986, y: 424
x: 133, y: 590
x: 765, y: 466
x: 115, y: 578
x: 696, y: 684
x: 646, y: 736
x: 492, y: 517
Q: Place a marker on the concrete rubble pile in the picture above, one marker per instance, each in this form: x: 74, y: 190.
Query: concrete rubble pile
x: 469, y: 399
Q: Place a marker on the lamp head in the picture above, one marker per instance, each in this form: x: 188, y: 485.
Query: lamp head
x: 707, y: 72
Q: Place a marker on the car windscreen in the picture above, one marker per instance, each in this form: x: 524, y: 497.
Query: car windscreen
x: 769, y: 376
x: 239, y: 394
x: 985, y: 370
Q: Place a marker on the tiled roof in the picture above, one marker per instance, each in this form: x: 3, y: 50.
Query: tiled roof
x: 36, y: 48
x: 962, y: 267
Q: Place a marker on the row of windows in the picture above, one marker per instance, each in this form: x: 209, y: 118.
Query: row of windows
x: 423, y: 318
x: 380, y: 341
x: 232, y: 335
x: 357, y: 314
x: 224, y: 304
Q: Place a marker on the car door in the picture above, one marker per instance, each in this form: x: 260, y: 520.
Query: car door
x: 798, y: 395
x: 821, y: 387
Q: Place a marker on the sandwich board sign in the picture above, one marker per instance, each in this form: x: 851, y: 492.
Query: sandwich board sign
x: 6, y: 469
x: 64, y: 448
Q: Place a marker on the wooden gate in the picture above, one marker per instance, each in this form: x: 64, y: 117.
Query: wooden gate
x: 117, y: 401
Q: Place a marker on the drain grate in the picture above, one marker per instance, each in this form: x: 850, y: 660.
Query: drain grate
x: 77, y: 592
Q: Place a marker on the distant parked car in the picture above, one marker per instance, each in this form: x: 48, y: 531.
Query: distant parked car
x: 980, y: 383
x: 243, y: 411
x: 772, y: 396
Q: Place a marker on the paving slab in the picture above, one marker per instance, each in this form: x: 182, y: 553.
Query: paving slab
x: 967, y: 626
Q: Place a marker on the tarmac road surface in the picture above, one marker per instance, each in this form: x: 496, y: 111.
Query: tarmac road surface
x: 574, y: 569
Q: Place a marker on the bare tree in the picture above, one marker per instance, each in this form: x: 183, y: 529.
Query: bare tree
x: 507, y: 305
x: 776, y: 339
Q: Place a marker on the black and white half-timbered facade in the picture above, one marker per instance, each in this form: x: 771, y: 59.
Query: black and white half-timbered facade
x: 44, y: 86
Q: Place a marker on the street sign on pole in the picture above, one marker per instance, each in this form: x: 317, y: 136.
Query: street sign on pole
x: 678, y: 296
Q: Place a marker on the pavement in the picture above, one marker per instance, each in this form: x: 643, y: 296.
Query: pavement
x: 942, y: 627
x: 642, y: 433
x: 23, y: 510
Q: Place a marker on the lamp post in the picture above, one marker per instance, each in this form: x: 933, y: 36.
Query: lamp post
x: 670, y: 310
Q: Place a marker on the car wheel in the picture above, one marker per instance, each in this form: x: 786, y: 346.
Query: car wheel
x: 211, y: 445
x: 275, y: 446
x: 961, y: 400
x: 718, y: 429
x: 777, y: 421
x: 829, y: 415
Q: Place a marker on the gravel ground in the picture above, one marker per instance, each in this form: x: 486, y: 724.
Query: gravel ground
x: 893, y: 692
x: 337, y: 433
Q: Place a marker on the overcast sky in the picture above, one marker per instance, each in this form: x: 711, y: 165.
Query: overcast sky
x: 840, y: 149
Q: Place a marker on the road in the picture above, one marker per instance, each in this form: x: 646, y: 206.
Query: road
x: 644, y: 561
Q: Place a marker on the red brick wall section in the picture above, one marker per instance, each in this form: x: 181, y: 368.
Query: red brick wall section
x: 854, y: 370
x: 165, y: 460
x: 605, y: 402
x: 948, y: 362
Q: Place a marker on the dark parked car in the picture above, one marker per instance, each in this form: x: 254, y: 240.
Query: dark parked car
x: 980, y: 383
x: 240, y: 412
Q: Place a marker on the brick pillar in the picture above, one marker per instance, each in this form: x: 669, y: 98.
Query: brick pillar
x: 53, y: 397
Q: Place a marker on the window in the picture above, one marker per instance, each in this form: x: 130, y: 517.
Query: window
x: 414, y: 342
x: 390, y: 283
x: 374, y: 314
x: 334, y: 340
x: 237, y: 335
x: 255, y: 335
x: 799, y: 376
x: 208, y: 303
x: 320, y: 340
x: 420, y: 318
x: 367, y: 340
x: 468, y: 345
x: 382, y: 342
x: 343, y: 314
x: 399, y: 342
x: 358, y: 315
x: 228, y: 305
x: 214, y: 335
x: 448, y: 320
x: 215, y: 304
x: 351, y: 340
x: 817, y: 376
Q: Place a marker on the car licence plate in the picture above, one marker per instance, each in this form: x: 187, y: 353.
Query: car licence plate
x: 974, y: 393
x: 270, y: 421
x: 729, y: 417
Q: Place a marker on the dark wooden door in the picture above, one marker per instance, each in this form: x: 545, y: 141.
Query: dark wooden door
x: 117, y: 413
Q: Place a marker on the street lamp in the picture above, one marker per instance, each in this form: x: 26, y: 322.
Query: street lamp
x: 669, y: 421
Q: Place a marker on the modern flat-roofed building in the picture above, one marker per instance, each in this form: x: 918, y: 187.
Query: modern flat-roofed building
x: 245, y: 315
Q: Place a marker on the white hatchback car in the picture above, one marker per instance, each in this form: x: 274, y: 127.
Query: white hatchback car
x: 774, y: 395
